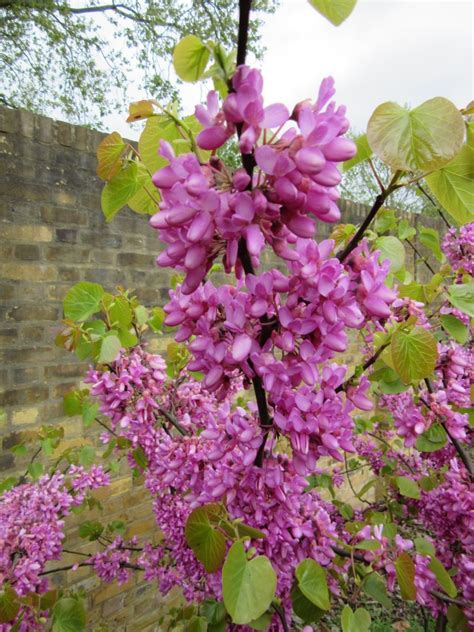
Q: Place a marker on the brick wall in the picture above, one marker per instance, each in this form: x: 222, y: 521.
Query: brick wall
x: 52, y: 234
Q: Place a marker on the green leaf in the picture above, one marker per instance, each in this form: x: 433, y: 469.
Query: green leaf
x: 87, y: 455
x: 139, y: 457
x: 336, y: 11
x: 416, y: 291
x: 35, y: 470
x: 414, y: 354
x: 190, y: 58
x: 72, y: 403
x: 405, y: 231
x: 127, y: 338
x: 69, y: 615
x: 458, y: 330
x: 7, y: 484
x: 91, y: 529
x: 248, y: 586
x: 425, y: 138
x: 197, y: 624
x: 303, y: 608
x: 120, y: 312
x: 83, y: 300
x: 442, y: 577
x: 424, y: 546
x: 368, y: 545
x: 358, y: 621
x: 90, y: 410
x: 208, y: 544
x: 141, y: 314
x: 457, y: 619
x: 385, y: 220
x: 246, y: 531
x: 20, y: 449
x: 374, y: 586
x: 9, y: 604
x: 363, y: 153
x: 214, y: 611
x: 122, y: 188
x: 156, y: 128
x: 453, y: 185
x: 313, y: 583
x: 146, y: 200
x: 462, y: 297
x: 408, y: 487
x: 392, y: 249
x: 109, y: 348
x: 429, y: 237
x: 405, y: 570
x: 157, y: 319
x: 432, y: 439
x: 261, y: 623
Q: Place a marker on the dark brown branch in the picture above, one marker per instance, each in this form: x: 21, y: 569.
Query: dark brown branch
x: 379, y: 202
x: 428, y: 197
x: 463, y: 455
x: 367, y: 364
x: 281, y: 615
x: 417, y: 252
x: 244, y: 18
x: 360, y: 558
x: 441, y: 623
x: 173, y: 421
x: 248, y: 162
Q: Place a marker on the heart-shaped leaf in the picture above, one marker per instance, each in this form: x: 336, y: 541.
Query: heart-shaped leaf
x: 425, y: 138
x: 83, y: 300
x: 190, y: 58
x: 207, y: 543
x: 453, y: 185
x: 248, y: 586
x: 313, y: 583
x: 414, y: 354
x: 336, y: 11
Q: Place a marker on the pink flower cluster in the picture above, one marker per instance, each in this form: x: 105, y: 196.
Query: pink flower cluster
x: 206, y: 211
x: 458, y: 246
x: 451, y: 390
x: 114, y: 562
x: 32, y: 525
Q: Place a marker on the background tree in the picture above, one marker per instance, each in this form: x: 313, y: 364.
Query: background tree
x: 76, y: 59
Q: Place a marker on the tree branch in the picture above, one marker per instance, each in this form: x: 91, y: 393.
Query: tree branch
x: 244, y: 18
x: 417, y: 252
x: 379, y: 202
x: 463, y: 455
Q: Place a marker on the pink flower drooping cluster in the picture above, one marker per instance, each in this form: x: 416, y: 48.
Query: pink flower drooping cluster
x: 206, y: 210
x: 32, y: 526
x: 451, y: 390
x: 458, y: 246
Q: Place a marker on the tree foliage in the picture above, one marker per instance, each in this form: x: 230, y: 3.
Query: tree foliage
x: 76, y: 59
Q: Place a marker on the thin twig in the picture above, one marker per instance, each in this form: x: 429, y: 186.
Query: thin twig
x: 417, y: 252
x: 402, y: 459
x: 463, y: 455
x: 379, y: 202
x: 173, y: 421
x: 281, y: 615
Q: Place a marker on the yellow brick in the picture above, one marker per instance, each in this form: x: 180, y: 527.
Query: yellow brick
x: 25, y: 233
x: 139, y: 528
x: 25, y: 416
x: 110, y: 590
x: 28, y: 272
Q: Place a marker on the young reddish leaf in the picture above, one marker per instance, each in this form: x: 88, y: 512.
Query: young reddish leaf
x: 109, y: 154
x: 405, y: 570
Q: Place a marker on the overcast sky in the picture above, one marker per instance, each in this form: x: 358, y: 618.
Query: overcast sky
x: 388, y: 50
